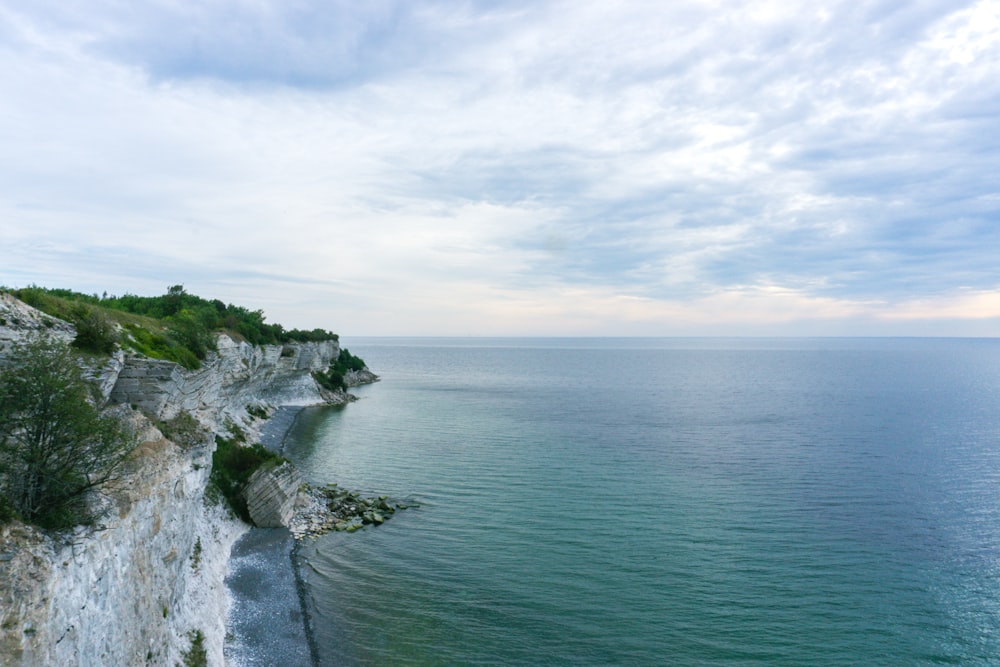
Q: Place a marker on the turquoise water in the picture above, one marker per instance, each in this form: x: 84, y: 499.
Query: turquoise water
x: 664, y: 502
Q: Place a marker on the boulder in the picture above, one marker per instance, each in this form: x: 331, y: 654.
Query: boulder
x: 271, y: 494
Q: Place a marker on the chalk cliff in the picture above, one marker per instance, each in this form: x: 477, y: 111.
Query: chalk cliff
x: 129, y: 591
x: 134, y: 589
x: 237, y: 375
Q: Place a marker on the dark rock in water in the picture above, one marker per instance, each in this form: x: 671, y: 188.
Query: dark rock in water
x: 327, y: 508
x: 373, y: 517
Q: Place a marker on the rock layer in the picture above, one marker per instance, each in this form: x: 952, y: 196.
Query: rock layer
x: 130, y: 590
x: 231, y: 378
x: 271, y: 492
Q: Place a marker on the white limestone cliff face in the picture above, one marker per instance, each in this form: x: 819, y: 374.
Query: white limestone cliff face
x: 18, y: 319
x: 236, y: 375
x: 131, y: 590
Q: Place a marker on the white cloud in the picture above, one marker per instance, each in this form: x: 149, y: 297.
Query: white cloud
x: 532, y: 168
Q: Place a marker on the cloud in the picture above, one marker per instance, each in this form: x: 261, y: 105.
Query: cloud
x: 530, y: 167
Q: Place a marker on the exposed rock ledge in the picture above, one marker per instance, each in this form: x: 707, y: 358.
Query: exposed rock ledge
x: 235, y: 376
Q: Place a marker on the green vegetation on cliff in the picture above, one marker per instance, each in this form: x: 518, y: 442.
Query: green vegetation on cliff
x: 176, y: 326
x: 333, y: 377
x: 233, y: 462
x: 56, y: 448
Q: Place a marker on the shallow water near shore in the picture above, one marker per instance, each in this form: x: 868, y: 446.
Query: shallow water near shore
x: 663, y: 501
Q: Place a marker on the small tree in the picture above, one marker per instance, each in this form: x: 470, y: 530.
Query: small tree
x: 94, y: 332
x: 56, y: 448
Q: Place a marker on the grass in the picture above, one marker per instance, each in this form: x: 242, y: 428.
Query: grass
x: 146, y: 335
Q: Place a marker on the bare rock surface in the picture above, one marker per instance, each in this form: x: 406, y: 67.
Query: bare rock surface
x: 18, y: 319
x: 152, y: 570
x: 231, y: 378
x: 271, y: 492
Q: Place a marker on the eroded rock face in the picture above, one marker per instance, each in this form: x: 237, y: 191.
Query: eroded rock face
x: 18, y: 319
x: 271, y: 492
x: 25, y: 563
x: 235, y: 376
x: 128, y: 591
x: 356, y: 378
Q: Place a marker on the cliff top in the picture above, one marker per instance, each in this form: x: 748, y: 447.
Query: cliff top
x: 176, y: 326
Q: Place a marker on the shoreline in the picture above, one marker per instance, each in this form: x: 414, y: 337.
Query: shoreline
x: 303, y: 595
x: 269, y: 616
x: 274, y: 432
x: 265, y: 625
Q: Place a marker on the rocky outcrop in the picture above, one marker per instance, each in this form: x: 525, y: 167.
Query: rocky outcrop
x: 271, y: 492
x: 319, y: 510
x: 236, y: 375
x: 18, y: 319
x: 358, y: 378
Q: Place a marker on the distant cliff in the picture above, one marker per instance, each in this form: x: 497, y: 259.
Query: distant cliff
x: 237, y: 375
x: 135, y: 589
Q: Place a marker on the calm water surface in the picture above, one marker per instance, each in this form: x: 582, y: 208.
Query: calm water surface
x: 664, y: 501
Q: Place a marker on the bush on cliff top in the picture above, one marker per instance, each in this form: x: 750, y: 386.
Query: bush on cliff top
x: 95, y: 332
x: 333, y: 377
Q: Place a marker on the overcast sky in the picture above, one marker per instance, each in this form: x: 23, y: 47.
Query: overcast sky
x: 513, y: 168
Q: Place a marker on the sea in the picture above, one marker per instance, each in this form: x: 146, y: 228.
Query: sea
x: 663, y: 502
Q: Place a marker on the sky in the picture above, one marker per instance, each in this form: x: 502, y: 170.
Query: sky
x: 585, y: 168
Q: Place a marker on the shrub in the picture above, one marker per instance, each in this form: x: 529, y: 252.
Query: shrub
x: 232, y: 466
x: 55, y: 446
x: 196, y: 555
x: 258, y: 411
x: 183, y: 430
x: 236, y: 432
x: 348, y: 362
x: 94, y: 331
x: 333, y: 378
x: 7, y: 512
x: 196, y: 655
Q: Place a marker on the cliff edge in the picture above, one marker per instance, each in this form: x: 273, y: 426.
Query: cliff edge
x: 140, y: 586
